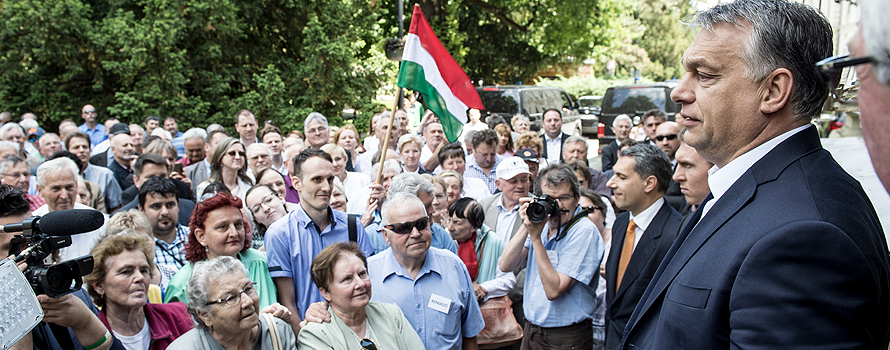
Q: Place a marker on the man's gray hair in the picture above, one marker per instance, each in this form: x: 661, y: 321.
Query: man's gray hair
x: 58, y: 164
x: 195, y: 133
x: 256, y: 145
x: 783, y: 34
x: 389, y: 165
x: 400, y: 201
x: 876, y: 35
x: 14, y: 145
x: 212, y: 127
x: 384, y: 114
x: 575, y: 139
x: 650, y: 161
x: 204, y: 275
x: 9, y: 162
x: 29, y: 124
x: 555, y: 175
x: 410, y: 183
x: 8, y: 126
x: 622, y: 117
x: 47, y: 136
x: 314, y: 117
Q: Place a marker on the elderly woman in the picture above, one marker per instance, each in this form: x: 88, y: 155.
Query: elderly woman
x: 225, y: 304
x: 409, y: 147
x: 505, y: 140
x: 533, y: 140
x: 341, y: 272
x: 454, y: 186
x: 229, y: 166
x: 440, y: 204
x: 338, y: 196
x: 266, y: 206
x: 217, y: 229
x: 352, y: 181
x: 135, y: 220
x: 520, y: 123
x: 122, y: 267
x: 347, y: 137
x: 479, y: 248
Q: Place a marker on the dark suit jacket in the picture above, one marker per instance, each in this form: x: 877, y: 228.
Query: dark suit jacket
x: 123, y: 176
x: 609, y: 155
x: 100, y: 159
x: 561, y: 141
x: 791, y: 256
x: 197, y: 173
x: 654, y: 243
x: 186, y: 207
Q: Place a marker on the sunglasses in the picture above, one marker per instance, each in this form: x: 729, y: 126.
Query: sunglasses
x: 367, y: 344
x: 670, y: 137
x: 832, y: 70
x: 404, y: 228
x: 89, y: 112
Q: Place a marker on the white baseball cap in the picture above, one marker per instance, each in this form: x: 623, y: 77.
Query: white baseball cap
x: 511, y: 167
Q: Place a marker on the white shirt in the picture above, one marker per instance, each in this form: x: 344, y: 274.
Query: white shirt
x: 138, y: 341
x: 81, y: 244
x: 475, y: 188
x: 506, y: 218
x: 425, y: 154
x: 554, y: 148
x: 101, y: 147
x: 721, y: 179
x: 644, y: 219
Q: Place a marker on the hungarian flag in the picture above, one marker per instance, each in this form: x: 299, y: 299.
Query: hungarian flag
x: 430, y: 70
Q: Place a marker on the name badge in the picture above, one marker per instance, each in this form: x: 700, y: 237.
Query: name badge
x: 554, y: 259
x: 439, y: 303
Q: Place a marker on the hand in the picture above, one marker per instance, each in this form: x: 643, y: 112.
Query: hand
x: 534, y: 228
x: 368, y: 216
x: 378, y: 193
x: 65, y: 311
x: 279, y: 311
x: 317, y: 313
x: 479, y: 291
x: 22, y: 265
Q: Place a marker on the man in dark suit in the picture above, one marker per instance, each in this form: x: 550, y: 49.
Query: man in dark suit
x: 667, y: 137
x: 104, y: 159
x: 200, y: 171
x: 150, y: 165
x: 788, y: 252
x: 621, y: 128
x: 641, y: 235
x: 553, y: 137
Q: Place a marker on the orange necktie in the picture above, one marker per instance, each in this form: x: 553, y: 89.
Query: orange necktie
x: 626, y: 251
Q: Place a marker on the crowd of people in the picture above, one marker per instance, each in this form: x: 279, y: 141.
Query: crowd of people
x: 710, y: 231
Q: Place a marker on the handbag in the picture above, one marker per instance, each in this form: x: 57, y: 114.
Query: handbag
x: 273, y: 331
x: 501, y: 328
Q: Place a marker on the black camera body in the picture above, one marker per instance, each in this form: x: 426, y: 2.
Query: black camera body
x: 541, y: 207
x: 54, y: 280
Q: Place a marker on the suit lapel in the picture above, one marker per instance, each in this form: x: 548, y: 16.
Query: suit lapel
x: 645, y: 248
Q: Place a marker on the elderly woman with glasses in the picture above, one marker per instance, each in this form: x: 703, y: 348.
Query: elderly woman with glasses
x: 217, y: 229
x: 225, y: 304
x: 341, y: 272
x: 119, y: 285
x: 229, y: 166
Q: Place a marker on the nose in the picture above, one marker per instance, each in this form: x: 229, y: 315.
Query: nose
x: 164, y: 210
x: 679, y: 174
x: 611, y: 183
x: 682, y: 93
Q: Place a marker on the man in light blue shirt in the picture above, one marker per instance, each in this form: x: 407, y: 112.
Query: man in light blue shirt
x: 563, y: 265
x: 92, y: 127
x: 294, y: 240
x: 485, y: 159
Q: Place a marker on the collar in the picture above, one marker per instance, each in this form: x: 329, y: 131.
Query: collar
x: 558, y: 137
x: 391, y: 266
x: 721, y: 179
x: 645, y: 217
x: 303, y: 219
x: 502, y: 207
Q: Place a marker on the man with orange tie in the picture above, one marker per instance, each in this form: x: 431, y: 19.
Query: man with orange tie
x: 640, y: 236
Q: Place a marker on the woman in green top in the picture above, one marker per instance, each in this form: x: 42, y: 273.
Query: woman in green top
x: 341, y: 273
x: 217, y: 229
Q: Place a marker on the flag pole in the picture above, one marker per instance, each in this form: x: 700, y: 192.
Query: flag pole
x: 392, y: 118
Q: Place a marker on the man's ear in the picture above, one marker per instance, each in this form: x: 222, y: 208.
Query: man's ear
x: 776, y: 91
x: 650, y: 184
x: 295, y: 182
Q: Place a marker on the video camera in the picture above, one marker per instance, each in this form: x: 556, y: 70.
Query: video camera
x: 541, y: 207
x: 40, y: 237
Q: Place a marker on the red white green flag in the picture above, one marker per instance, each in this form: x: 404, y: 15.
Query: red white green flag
x: 430, y: 70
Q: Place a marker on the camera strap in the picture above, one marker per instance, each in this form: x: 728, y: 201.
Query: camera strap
x: 574, y: 220
x: 169, y: 253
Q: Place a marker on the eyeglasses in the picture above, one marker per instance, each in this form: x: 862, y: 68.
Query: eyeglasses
x: 234, y: 153
x: 90, y: 112
x: 367, y: 344
x: 17, y: 175
x: 404, y: 228
x: 319, y: 129
x: 831, y: 69
x: 670, y: 137
x: 235, y: 298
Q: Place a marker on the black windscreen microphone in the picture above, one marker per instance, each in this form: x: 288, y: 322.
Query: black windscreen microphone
x: 61, y: 223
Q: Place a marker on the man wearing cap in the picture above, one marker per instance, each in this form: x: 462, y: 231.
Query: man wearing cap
x: 105, y: 158
x: 502, y: 209
x: 531, y: 160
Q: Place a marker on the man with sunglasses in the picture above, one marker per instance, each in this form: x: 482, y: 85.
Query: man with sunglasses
x: 91, y: 126
x: 666, y: 138
x: 563, y: 253
x: 787, y: 251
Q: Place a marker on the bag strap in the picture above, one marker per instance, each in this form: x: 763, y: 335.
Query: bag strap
x: 574, y: 220
x: 273, y: 331
x: 353, y: 230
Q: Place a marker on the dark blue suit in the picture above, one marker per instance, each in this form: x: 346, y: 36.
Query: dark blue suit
x: 791, y: 256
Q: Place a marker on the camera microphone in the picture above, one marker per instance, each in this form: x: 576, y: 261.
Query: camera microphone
x: 61, y: 223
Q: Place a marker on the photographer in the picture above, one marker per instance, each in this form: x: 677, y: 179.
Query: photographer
x: 74, y: 311
x: 561, y: 278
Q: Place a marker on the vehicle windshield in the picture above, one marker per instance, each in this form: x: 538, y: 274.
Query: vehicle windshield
x: 590, y: 101
x: 634, y: 99
x: 500, y: 101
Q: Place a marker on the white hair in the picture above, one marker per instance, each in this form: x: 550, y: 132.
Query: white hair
x: 8, y: 126
x: 61, y: 163
x: 14, y: 145
x: 164, y: 134
x: 621, y: 117
x: 400, y: 201
x: 389, y: 165
x: 194, y: 133
x: 876, y: 35
x: 29, y: 124
x: 314, y: 117
x: 256, y: 145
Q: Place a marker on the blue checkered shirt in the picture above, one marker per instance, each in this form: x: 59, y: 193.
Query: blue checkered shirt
x: 172, y: 255
x: 473, y: 170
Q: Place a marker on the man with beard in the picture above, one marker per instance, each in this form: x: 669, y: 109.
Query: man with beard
x: 159, y: 202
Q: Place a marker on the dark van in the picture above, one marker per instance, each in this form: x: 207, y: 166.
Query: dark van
x: 634, y: 100
x: 531, y: 101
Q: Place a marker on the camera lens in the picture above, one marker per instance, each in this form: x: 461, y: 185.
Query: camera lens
x: 537, y: 211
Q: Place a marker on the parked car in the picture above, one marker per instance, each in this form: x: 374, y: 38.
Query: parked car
x: 531, y: 101
x: 635, y: 100
x: 589, y: 108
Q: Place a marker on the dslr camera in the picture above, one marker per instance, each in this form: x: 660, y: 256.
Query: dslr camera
x: 54, y: 280
x: 541, y: 207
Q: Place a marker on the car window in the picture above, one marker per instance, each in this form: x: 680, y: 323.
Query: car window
x: 500, y: 100
x: 632, y: 100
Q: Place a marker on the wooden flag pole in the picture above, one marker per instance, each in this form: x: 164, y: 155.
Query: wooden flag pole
x: 392, y: 118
